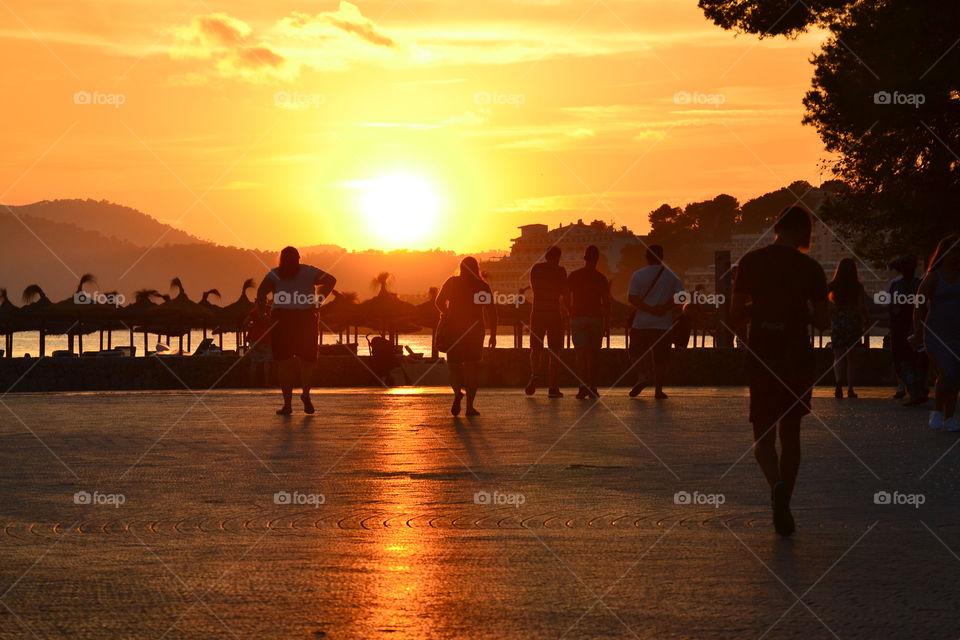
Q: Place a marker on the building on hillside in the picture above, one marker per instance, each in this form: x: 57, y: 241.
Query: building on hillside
x: 511, y: 273
x: 826, y: 248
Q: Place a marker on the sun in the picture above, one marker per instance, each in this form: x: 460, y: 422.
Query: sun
x: 400, y: 209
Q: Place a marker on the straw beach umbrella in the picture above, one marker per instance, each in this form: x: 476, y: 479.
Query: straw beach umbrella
x: 135, y: 315
x: 232, y: 316
x: 426, y: 314
x: 82, y: 312
x: 178, y: 315
x: 213, y: 308
x: 340, y: 313
x: 386, y: 312
x: 31, y: 313
x: 9, y: 318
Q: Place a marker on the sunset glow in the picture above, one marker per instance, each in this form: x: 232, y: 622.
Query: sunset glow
x: 240, y: 122
x: 400, y: 210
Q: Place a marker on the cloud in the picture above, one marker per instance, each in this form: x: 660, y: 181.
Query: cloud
x: 229, y: 44
x: 347, y: 18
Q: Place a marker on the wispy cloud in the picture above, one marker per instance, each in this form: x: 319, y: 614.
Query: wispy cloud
x: 229, y: 43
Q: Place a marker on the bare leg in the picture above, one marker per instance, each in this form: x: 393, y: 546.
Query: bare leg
x: 553, y: 369
x: 592, y: 360
x: 470, y: 384
x: 838, y: 367
x: 765, y: 451
x: 536, y: 356
x: 308, y: 375
x: 456, y: 376
x: 287, y: 374
x: 851, y: 359
x: 789, y: 451
x: 583, y: 369
x: 659, y: 374
x: 940, y: 394
x: 949, y: 402
x: 456, y: 383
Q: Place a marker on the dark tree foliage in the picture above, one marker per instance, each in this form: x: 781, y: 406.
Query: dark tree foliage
x: 886, y: 102
x: 774, y: 17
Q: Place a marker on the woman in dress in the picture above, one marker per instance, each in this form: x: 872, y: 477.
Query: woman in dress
x: 850, y: 316
x: 936, y: 321
x: 464, y: 302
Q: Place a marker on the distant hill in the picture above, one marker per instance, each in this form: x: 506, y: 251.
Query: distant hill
x: 53, y: 245
x: 108, y: 219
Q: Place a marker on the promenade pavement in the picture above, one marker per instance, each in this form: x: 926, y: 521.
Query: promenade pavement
x: 181, y: 515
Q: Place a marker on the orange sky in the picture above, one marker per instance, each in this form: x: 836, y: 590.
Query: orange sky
x: 260, y: 124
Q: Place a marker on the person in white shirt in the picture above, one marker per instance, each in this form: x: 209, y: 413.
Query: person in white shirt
x: 653, y: 291
x: 298, y: 289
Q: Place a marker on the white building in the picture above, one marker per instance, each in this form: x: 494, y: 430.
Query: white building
x: 512, y: 272
x: 826, y: 248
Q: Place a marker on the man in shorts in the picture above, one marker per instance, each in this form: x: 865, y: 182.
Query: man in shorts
x: 653, y: 291
x: 781, y: 291
x: 298, y: 290
x: 549, y: 283
x: 588, y: 302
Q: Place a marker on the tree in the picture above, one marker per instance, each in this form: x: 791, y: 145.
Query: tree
x: 760, y: 213
x: 886, y: 101
x: 714, y: 219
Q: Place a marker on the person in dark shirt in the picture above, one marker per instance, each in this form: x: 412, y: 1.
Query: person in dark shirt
x: 549, y: 283
x: 588, y: 302
x: 464, y: 302
x: 781, y: 292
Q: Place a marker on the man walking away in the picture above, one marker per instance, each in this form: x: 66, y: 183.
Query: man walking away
x: 782, y: 291
x: 588, y: 302
x: 549, y: 283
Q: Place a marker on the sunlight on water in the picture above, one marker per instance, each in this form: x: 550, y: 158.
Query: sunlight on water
x: 29, y: 342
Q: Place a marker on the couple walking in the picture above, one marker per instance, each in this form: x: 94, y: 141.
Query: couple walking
x: 585, y: 296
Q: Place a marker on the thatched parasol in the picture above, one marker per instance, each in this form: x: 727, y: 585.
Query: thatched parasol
x: 386, y: 312
x: 178, y: 315
x: 341, y: 313
x: 426, y: 313
x: 9, y: 319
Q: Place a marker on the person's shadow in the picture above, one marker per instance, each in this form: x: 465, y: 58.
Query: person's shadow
x: 467, y: 436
